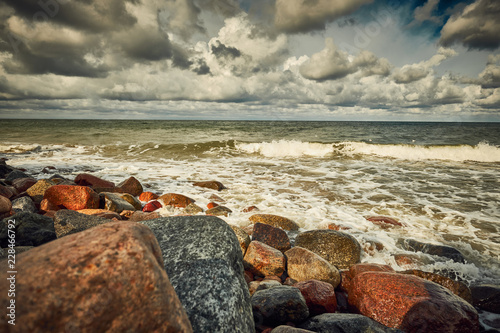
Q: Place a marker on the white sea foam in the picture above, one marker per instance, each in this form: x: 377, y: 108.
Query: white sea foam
x: 286, y: 148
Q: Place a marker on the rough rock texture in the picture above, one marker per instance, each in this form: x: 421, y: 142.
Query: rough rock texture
x: 214, y: 185
x: 289, y: 329
x: 354, y: 270
x: 272, y: 236
x: 148, y: 196
x: 131, y: 186
x: 30, y: 229
x: 193, y: 209
x: 437, y: 250
x: 24, y: 204
x: 37, y: 191
x: 22, y: 184
x: 115, y: 203
x: 275, y: 221
x: 13, y: 175
x: 203, y: 260
x: 345, y: 323
x: 138, y: 216
x: 131, y: 200
x: 243, y: 238
x: 85, y: 179
x: 261, y: 259
x: 338, y: 248
x: 411, y: 303
x: 72, y: 197
x: 320, y: 296
x: 486, y: 297
x: 176, y: 200
x: 279, y: 305
x: 19, y: 249
x: 5, y: 205
x: 456, y: 287
x: 304, y: 264
x: 219, y: 211
x: 107, y: 214
x: 116, y: 285
x: 69, y: 222
x: 6, y: 192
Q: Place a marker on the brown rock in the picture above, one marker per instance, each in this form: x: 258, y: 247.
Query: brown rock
x: 131, y: 200
x: 486, y: 297
x: 37, y: 191
x: 85, y: 179
x: 117, y: 284
x: 458, y: 288
x: 5, y: 205
x: 176, y: 200
x: 275, y: 221
x: 372, y: 247
x: 261, y: 259
x: 243, y: 238
x: 384, y: 221
x: 22, y: 184
x: 274, y: 237
x: 214, y: 185
x: 249, y: 209
x: 72, y: 197
x: 320, y: 296
x: 339, y: 248
x: 47, y: 206
x: 5, y: 191
x: 219, y: 211
x: 248, y: 276
x: 107, y: 214
x: 193, y: 209
x: 138, y: 216
x: 215, y: 197
x: 337, y: 227
x: 131, y: 186
x: 411, y: 304
x: 114, y: 202
x: 148, y: 196
x: 306, y: 265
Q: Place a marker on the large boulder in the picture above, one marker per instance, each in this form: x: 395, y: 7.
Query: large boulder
x: 69, y: 222
x: 411, y: 303
x: 261, y: 259
x: 22, y: 184
x: 433, y: 249
x: 272, y: 236
x: 30, y: 229
x: 13, y: 175
x: 71, y: 197
x: 275, y: 221
x: 320, y: 296
x: 203, y: 260
x: 131, y: 186
x: 306, y: 265
x: 486, y: 297
x: 345, y: 323
x: 338, y: 248
x: 109, y: 279
x: 85, y: 179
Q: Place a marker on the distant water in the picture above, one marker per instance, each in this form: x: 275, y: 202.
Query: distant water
x: 442, y: 180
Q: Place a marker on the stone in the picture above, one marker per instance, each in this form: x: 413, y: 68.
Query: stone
x: 457, y: 287
x: 320, y: 296
x: 131, y: 186
x: 289, y: 329
x: 47, y: 206
x: 85, y: 179
x: 249, y: 209
x: 261, y: 259
x: 203, y: 260
x: 24, y: 204
x: 71, y: 197
x: 19, y: 249
x: 131, y: 200
x: 275, y: 221
x: 211, y: 205
x: 274, y: 237
x: 37, y: 191
x: 193, y: 209
x: 107, y: 214
x: 4, y: 169
x: 152, y: 206
x: 108, y: 279
x: 6, y: 192
x: 267, y: 284
x: 337, y: 247
x: 13, y: 175
x: 176, y: 200
x: 219, y: 211
x: 410, y: 303
x: 384, y: 221
x: 409, y: 244
x: 337, y: 227
x: 354, y: 270
x: 215, y: 197
x: 304, y: 264
x: 138, y: 216
x: 279, y: 305
x: 22, y: 184
x: 243, y: 238
x: 69, y: 222
x: 407, y: 260
x: 30, y: 229
x: 486, y: 297
x: 148, y: 196
x: 114, y: 202
x: 214, y: 185
x: 345, y: 323
x: 5, y: 205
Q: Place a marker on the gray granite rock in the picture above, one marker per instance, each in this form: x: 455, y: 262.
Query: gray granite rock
x: 24, y: 204
x: 204, y: 263
x: 345, y: 323
x: 69, y: 222
x: 289, y: 329
x: 30, y: 229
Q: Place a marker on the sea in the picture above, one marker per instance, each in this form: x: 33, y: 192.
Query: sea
x: 440, y: 180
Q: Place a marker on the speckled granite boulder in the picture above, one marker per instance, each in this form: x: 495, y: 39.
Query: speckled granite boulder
x: 203, y: 260
x: 69, y: 222
x: 345, y: 323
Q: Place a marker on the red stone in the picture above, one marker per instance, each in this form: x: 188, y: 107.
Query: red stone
x: 110, y: 278
x: 248, y: 276
x: 320, y: 296
x: 176, y: 200
x: 333, y: 226
x: 411, y: 304
x: 71, y: 197
x: 354, y: 270
x: 152, y: 206
x: 131, y: 186
x: 148, y: 196
x: 22, y: 184
x: 85, y: 179
x: 212, y: 205
x: 249, y: 209
x: 274, y: 237
x: 384, y: 221
x: 261, y: 259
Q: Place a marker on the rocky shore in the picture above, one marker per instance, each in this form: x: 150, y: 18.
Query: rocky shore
x: 87, y: 255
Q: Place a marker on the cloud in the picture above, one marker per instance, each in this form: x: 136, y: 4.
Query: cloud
x: 295, y: 16
x: 476, y: 27
x: 490, y: 77
x: 332, y: 64
x: 425, y: 13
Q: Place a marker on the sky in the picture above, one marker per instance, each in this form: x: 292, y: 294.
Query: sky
x: 417, y: 60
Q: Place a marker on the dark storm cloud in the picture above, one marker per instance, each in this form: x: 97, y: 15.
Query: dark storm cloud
x: 221, y: 50
x: 476, y: 27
